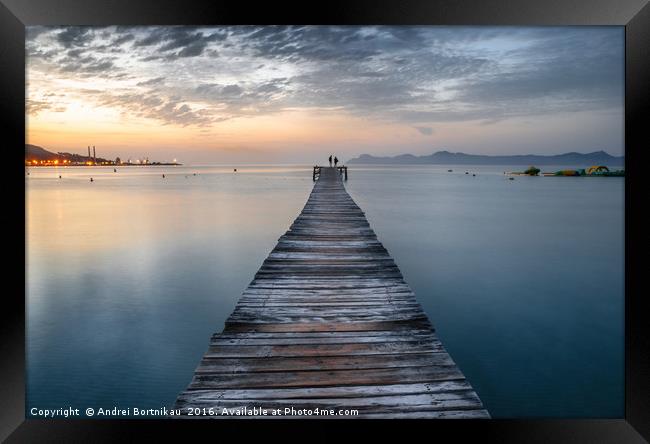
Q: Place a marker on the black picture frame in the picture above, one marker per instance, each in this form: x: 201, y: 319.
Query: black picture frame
x: 16, y: 14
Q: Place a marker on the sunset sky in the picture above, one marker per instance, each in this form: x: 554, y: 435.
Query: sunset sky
x: 297, y: 94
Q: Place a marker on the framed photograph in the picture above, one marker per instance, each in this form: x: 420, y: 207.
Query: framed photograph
x: 378, y: 214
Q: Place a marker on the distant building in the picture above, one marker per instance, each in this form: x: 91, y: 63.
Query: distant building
x: 118, y: 161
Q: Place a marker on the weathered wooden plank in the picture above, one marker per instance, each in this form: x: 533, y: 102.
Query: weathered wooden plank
x: 327, y: 377
x: 353, y: 349
x: 329, y: 292
x: 322, y: 284
x: 315, y: 296
x: 353, y: 391
x: 282, y: 319
x: 323, y: 301
x: 389, y: 311
x: 293, y: 266
x: 335, y: 339
x: 358, y: 302
x: 388, y: 404
x: 395, y: 325
x: 298, y: 363
x: 326, y: 334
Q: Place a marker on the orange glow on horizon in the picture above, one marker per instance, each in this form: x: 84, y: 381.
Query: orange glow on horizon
x: 301, y: 127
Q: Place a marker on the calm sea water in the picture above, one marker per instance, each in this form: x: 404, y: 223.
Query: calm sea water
x: 128, y: 276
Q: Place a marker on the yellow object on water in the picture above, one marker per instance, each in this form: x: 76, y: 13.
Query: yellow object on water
x: 597, y: 169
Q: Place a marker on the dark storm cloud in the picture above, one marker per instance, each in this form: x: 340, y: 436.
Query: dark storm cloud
x: 123, y: 39
x: 195, y: 49
x: 181, y: 39
x: 231, y: 90
x: 154, y: 37
x: 82, y: 64
x: 220, y: 91
x: 75, y: 36
x: 178, y: 41
x: 294, y: 44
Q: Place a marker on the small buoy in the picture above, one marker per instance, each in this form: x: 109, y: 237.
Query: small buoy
x: 511, y: 178
x: 115, y: 170
x: 195, y: 174
x: 59, y: 176
x: 163, y: 176
x: 466, y: 172
x: 91, y: 179
x: 473, y: 175
x: 449, y: 171
x: 235, y: 170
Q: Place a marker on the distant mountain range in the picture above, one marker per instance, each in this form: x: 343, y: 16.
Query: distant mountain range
x: 447, y: 158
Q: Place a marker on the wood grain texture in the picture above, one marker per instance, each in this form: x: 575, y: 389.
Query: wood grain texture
x: 328, y: 322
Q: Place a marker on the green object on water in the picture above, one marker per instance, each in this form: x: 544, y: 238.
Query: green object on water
x: 532, y: 171
x: 619, y: 173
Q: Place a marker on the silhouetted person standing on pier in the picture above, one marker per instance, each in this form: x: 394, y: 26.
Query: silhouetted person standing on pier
x: 336, y: 161
x: 330, y: 160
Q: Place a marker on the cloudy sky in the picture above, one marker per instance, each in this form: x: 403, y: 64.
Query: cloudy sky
x: 295, y: 94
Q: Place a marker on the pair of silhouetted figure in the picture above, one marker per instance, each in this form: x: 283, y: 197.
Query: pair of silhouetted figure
x: 336, y: 160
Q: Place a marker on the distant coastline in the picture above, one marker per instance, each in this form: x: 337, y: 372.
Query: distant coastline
x: 39, y: 156
x: 448, y: 158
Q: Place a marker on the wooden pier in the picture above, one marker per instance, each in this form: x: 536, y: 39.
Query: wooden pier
x: 329, y: 323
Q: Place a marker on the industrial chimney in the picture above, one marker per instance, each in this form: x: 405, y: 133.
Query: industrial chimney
x: 88, y: 152
x: 94, y: 157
